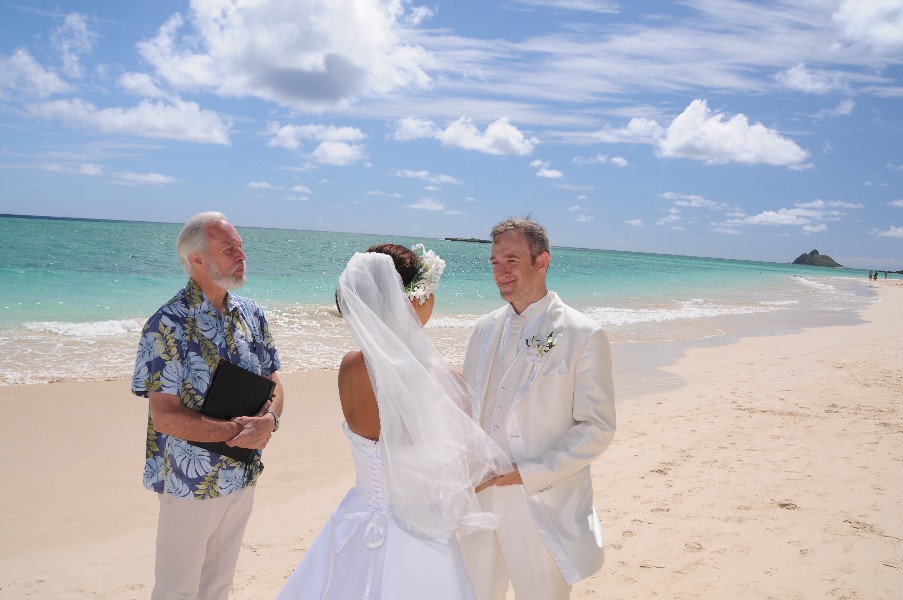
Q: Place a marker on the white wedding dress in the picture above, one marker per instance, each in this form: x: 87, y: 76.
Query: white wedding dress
x: 363, y: 553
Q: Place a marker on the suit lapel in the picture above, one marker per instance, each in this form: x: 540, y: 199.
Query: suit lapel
x: 487, y: 358
x: 523, y: 364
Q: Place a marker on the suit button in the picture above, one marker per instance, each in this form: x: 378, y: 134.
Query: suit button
x: 495, y: 427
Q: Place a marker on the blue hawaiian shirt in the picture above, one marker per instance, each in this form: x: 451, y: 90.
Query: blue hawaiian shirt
x: 180, y: 347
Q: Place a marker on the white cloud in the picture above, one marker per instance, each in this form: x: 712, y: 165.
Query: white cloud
x: 262, y: 185
x: 638, y: 131
x: 810, y: 216
x: 141, y: 84
x: 577, y: 208
x: 419, y: 14
x: 89, y: 169
x: 291, y: 136
x: 822, y: 204
x: 297, y: 198
x: 844, y: 109
x: 669, y: 219
x: 727, y: 230
x: 618, y: 161
x: 427, y: 204
x: 315, y: 55
x: 500, y: 138
x: 73, y: 39
x: 635, y: 222
x: 544, y: 170
x: 596, y: 6
x: 177, y: 120
x: 877, y: 24
x: 898, y: 203
x: 894, y: 232
x: 801, y: 79
x: 411, y: 128
x: 301, y: 189
x: 427, y: 176
x: 20, y: 73
x: 783, y: 216
x: 381, y: 193
x: 701, y: 134
x: 583, y: 219
x: 894, y: 167
x: 691, y: 200
x: 155, y: 179
x: 334, y: 147
x: 338, y: 153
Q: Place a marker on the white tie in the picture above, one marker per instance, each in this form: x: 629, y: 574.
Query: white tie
x: 514, y: 341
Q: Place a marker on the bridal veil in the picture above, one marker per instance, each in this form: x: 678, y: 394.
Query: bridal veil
x: 433, y: 452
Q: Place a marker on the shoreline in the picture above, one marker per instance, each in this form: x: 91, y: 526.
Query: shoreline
x: 768, y: 471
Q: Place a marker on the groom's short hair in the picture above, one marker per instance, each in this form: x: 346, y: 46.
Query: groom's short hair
x: 536, y: 234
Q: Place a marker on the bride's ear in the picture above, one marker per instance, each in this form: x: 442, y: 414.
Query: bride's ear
x: 425, y: 310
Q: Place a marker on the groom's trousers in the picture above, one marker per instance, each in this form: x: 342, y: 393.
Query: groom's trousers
x: 513, y: 553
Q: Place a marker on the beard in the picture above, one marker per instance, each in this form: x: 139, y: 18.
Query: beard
x: 227, y: 280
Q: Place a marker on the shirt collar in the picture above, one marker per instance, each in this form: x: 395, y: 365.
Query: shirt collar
x: 196, y: 299
x: 535, y: 309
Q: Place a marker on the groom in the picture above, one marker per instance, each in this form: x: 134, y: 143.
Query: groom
x: 541, y: 375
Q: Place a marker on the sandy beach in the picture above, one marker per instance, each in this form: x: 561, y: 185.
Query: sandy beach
x: 772, y: 471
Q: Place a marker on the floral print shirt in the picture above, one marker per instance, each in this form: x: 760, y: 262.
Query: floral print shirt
x: 180, y: 347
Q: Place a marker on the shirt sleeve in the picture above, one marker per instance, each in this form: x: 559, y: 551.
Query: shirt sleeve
x: 158, y: 362
x: 270, y: 362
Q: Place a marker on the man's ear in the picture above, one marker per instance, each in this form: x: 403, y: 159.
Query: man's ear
x: 542, y: 261
x: 196, y: 259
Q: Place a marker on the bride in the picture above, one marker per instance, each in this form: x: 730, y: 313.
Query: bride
x: 417, y: 452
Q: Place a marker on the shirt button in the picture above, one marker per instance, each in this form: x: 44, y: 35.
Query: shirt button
x: 495, y: 427
x: 498, y: 409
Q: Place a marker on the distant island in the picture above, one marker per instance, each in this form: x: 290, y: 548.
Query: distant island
x: 816, y: 260
x: 475, y: 240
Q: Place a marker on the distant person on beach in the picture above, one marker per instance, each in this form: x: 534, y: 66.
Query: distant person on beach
x: 417, y: 452
x: 541, y: 375
x: 205, y: 497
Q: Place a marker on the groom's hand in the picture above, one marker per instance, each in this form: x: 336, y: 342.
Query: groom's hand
x: 512, y: 478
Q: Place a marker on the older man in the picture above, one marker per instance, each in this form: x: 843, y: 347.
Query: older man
x: 541, y: 375
x: 205, y: 497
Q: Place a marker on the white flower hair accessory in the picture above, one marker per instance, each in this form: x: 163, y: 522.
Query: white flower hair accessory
x: 426, y: 281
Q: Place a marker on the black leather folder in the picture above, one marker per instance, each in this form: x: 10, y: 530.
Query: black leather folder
x: 234, y: 392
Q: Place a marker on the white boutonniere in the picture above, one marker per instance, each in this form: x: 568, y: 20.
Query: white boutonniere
x: 538, y: 349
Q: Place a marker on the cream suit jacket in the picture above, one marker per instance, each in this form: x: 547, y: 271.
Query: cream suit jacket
x: 561, y: 419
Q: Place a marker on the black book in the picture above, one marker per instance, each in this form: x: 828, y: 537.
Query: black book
x: 234, y: 392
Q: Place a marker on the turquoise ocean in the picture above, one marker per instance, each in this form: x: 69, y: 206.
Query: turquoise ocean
x: 74, y: 295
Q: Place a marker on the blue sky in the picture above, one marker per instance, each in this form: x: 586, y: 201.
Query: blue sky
x: 751, y: 130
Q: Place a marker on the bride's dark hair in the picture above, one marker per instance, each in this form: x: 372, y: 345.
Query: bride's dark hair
x: 407, y: 263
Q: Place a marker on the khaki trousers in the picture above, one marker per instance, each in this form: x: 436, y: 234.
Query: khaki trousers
x: 513, y: 553
x: 197, y: 545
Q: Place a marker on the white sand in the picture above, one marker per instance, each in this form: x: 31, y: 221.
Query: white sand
x: 776, y: 471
